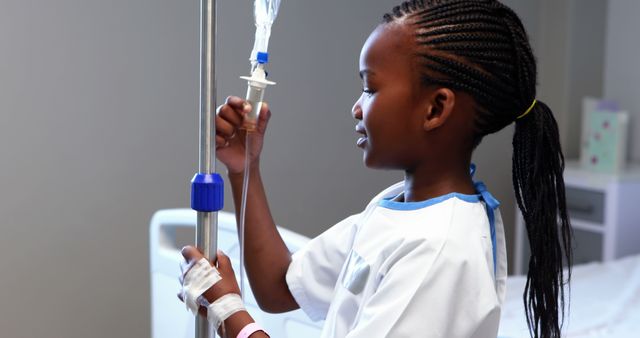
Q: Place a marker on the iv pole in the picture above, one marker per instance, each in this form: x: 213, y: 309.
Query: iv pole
x: 207, y: 186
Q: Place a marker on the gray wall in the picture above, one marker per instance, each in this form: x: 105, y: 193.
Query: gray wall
x: 622, y: 72
x: 98, y: 103
x: 571, y: 59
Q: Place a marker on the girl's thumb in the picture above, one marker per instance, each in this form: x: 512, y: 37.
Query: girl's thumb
x: 263, y: 118
x: 223, y: 260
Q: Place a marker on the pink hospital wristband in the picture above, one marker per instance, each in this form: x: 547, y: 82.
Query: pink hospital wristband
x: 249, y: 330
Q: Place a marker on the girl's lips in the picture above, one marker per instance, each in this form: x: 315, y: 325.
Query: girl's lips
x: 361, y: 141
x: 360, y: 130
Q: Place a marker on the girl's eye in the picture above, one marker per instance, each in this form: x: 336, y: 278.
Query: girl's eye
x: 368, y: 91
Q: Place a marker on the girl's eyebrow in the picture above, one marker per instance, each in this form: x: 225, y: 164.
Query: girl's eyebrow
x: 366, y: 72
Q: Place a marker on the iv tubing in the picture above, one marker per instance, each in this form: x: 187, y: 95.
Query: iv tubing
x: 256, y: 85
x: 243, y: 208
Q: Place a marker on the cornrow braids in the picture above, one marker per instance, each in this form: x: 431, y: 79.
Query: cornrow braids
x: 481, y: 47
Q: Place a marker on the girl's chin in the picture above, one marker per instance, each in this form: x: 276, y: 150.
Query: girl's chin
x: 370, y: 161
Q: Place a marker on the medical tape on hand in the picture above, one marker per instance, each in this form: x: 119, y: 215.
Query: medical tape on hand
x: 223, y: 308
x: 198, y: 279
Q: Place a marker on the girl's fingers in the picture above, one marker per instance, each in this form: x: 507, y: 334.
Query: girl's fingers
x: 221, y: 141
x: 235, y: 102
x: 235, y: 109
x: 224, y: 128
x: 185, y: 266
x: 190, y: 253
x: 230, y: 113
x: 230, y: 116
x: 224, y: 263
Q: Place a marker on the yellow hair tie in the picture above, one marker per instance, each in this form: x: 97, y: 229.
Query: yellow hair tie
x: 528, y: 110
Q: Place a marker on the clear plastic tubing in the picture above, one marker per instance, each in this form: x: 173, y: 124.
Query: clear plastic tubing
x: 265, y: 14
x: 257, y: 84
x: 243, y: 207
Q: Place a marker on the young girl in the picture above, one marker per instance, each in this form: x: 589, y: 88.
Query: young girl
x: 427, y: 257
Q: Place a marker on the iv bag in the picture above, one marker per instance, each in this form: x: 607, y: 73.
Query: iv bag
x: 265, y: 13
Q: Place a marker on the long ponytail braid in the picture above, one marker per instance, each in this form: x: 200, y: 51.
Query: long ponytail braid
x: 539, y: 187
x: 481, y: 47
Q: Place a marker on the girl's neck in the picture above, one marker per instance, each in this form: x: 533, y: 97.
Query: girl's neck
x: 433, y: 181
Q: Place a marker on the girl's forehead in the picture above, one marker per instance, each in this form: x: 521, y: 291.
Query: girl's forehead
x: 388, y: 44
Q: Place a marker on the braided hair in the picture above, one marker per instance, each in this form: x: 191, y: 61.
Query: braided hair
x: 481, y: 47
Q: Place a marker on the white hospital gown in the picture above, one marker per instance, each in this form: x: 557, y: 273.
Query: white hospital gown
x: 417, y: 269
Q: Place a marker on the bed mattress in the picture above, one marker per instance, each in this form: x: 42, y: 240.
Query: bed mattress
x: 604, y: 302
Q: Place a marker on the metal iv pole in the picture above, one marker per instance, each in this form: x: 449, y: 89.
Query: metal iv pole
x: 207, y: 186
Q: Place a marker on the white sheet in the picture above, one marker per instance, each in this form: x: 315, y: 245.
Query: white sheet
x: 605, y: 302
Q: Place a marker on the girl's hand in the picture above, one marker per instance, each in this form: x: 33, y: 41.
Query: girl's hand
x: 227, y: 285
x: 230, y: 138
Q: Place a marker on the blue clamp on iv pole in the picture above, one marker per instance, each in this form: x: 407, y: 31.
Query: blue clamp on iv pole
x: 207, y: 186
x: 207, y: 192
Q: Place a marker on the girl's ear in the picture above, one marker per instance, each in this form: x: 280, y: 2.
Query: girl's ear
x: 440, y: 105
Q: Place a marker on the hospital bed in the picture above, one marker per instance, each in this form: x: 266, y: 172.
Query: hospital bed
x: 605, y: 302
x: 172, y: 229
x: 605, y: 298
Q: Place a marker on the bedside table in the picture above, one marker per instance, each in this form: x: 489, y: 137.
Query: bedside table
x: 604, y: 212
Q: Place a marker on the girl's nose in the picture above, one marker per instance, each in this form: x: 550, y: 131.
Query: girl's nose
x: 356, y: 111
